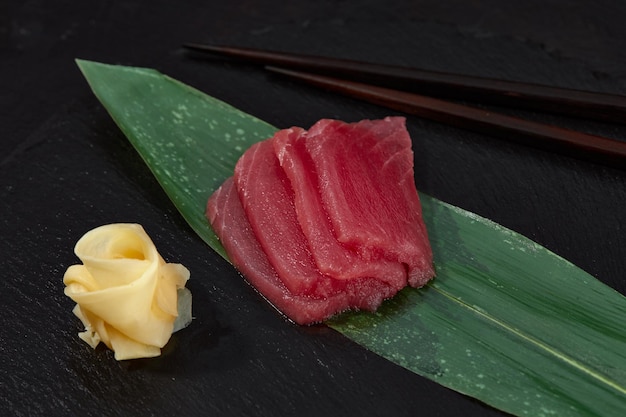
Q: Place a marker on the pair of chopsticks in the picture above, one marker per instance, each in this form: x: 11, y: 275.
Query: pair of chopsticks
x: 397, y: 87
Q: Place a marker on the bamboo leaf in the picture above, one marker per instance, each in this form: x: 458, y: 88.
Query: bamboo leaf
x: 505, y: 321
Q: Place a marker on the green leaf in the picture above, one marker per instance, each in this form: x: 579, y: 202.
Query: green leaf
x: 505, y: 321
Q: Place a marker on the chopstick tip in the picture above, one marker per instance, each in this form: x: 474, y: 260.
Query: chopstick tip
x: 200, y: 47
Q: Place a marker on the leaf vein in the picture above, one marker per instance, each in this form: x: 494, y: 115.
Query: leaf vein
x: 559, y: 355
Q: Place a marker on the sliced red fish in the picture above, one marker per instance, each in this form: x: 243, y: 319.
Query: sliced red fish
x: 228, y: 219
x: 326, y: 220
x: 331, y: 256
x: 369, y: 193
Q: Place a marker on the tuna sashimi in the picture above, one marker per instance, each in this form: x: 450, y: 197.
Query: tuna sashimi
x: 229, y: 221
x: 267, y: 200
x: 369, y: 192
x: 331, y: 257
x: 326, y: 220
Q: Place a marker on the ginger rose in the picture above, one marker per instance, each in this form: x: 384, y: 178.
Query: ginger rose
x: 126, y: 295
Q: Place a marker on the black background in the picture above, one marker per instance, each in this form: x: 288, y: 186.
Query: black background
x: 65, y: 168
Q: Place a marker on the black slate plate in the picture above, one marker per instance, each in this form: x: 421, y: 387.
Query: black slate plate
x: 239, y: 357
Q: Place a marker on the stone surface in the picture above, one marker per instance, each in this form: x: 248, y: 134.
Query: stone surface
x: 65, y: 168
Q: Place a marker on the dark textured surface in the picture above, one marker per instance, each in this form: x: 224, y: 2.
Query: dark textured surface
x: 65, y: 168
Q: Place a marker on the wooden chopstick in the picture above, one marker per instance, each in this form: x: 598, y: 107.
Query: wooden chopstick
x: 569, y: 142
x: 580, y: 104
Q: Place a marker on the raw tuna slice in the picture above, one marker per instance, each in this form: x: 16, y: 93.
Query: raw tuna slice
x: 228, y: 219
x: 368, y: 190
x: 267, y: 200
x: 326, y: 220
x: 331, y: 257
